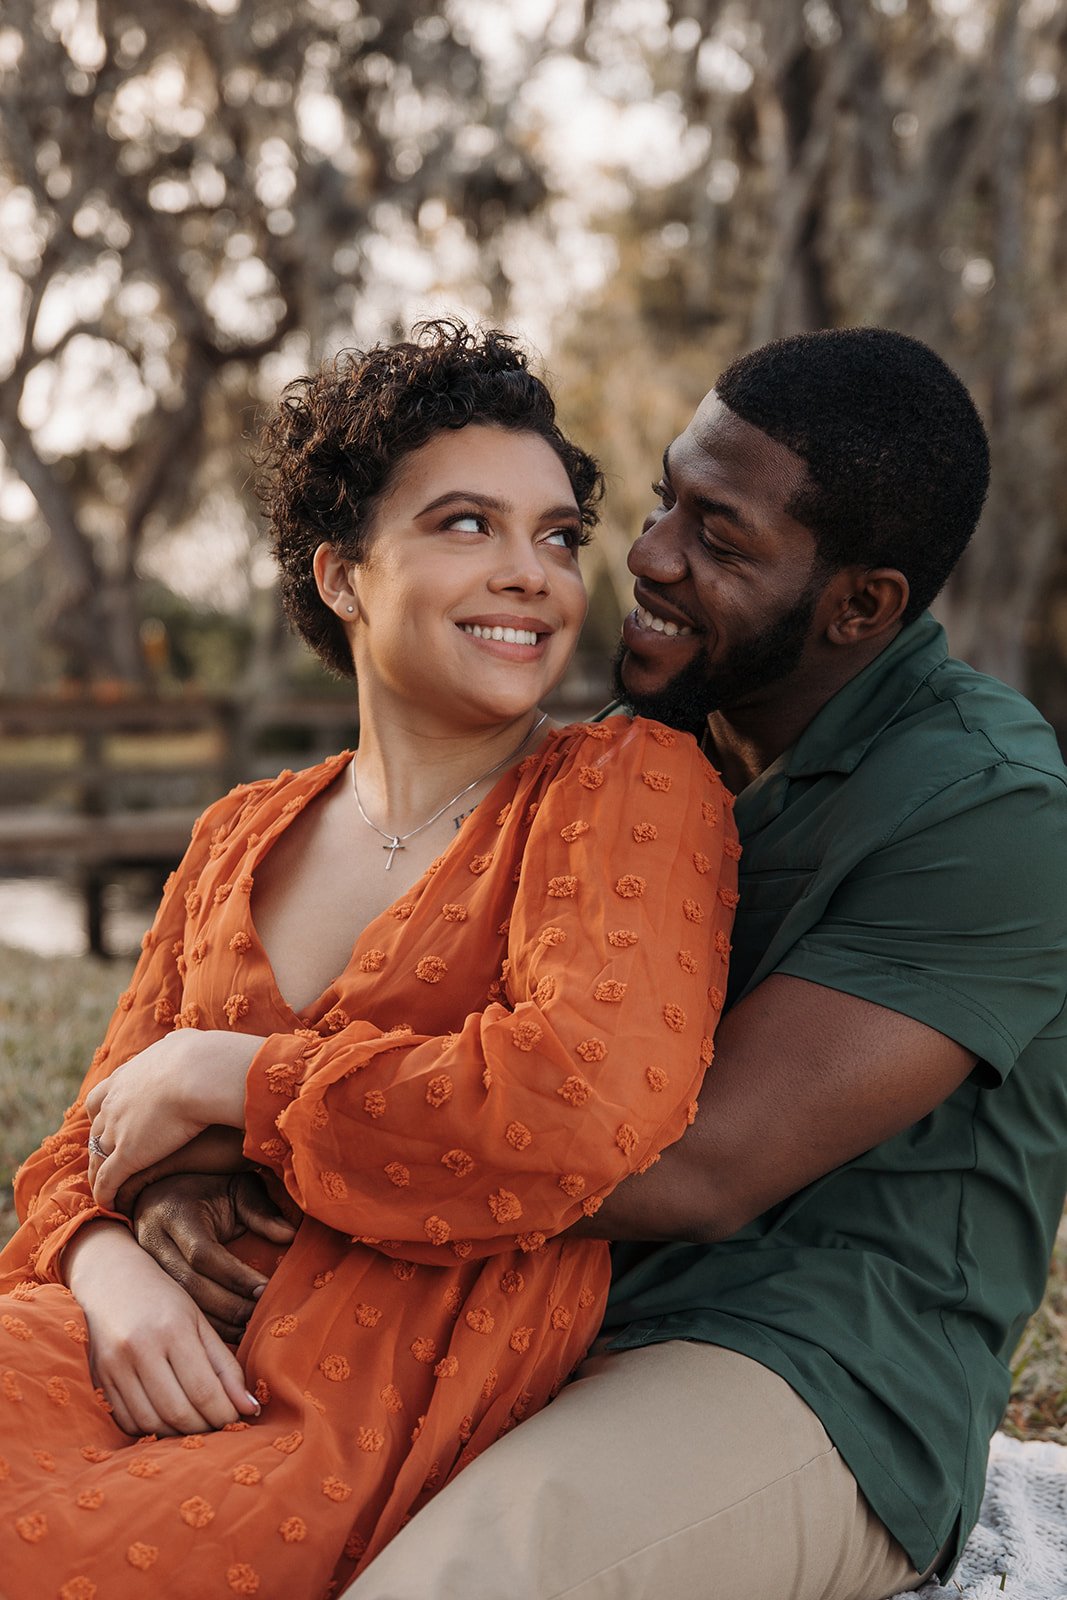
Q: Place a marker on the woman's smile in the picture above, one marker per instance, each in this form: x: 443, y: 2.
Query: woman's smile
x: 510, y: 637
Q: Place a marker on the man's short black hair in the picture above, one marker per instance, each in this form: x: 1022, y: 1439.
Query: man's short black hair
x: 895, y: 449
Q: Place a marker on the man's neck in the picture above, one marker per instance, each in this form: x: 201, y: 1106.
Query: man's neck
x: 743, y: 741
x: 742, y: 746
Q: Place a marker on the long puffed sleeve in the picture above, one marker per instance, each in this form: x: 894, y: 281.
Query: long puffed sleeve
x: 515, y: 1125
x: 52, y: 1194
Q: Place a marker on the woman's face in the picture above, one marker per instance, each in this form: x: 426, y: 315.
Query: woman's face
x: 469, y: 599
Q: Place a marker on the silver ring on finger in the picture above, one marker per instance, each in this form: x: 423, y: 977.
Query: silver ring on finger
x: 96, y: 1148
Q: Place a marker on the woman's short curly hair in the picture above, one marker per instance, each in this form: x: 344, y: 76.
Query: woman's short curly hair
x: 339, y: 435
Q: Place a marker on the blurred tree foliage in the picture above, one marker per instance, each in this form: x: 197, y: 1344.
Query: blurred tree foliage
x: 859, y: 161
x: 222, y: 191
x: 200, y: 197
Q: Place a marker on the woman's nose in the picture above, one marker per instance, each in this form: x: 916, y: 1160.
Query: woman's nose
x: 523, y: 570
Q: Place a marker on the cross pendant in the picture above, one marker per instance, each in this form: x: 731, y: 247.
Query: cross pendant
x: 393, y: 846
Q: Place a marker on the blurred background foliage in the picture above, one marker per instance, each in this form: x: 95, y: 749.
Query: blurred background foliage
x: 201, y: 198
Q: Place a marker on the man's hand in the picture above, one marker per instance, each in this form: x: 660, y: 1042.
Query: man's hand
x: 161, y: 1367
x: 186, y: 1221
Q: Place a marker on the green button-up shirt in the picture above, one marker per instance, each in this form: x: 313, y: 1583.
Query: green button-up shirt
x: 910, y: 849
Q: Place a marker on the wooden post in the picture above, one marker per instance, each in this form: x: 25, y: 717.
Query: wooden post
x: 93, y: 804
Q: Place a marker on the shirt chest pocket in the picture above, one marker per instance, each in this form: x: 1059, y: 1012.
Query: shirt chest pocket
x: 775, y: 890
x: 767, y: 899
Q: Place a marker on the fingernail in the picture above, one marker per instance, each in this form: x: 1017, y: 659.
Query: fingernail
x: 258, y: 1408
x: 258, y: 1290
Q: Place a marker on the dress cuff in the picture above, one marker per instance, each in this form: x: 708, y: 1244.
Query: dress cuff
x: 48, y: 1259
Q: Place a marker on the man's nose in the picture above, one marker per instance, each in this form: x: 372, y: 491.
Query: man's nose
x: 657, y: 553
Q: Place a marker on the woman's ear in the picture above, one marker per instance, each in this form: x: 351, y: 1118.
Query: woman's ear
x: 874, y: 602
x: 335, y: 580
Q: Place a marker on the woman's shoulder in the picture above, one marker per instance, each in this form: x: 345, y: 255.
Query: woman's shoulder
x: 631, y: 741
x: 622, y: 757
x: 261, y: 799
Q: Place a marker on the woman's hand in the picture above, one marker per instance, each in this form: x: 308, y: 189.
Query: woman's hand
x: 186, y: 1222
x: 161, y: 1099
x: 161, y: 1367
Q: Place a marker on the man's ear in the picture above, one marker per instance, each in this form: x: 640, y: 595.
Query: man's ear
x: 870, y: 602
x: 335, y: 579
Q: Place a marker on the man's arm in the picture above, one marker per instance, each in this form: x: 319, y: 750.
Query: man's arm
x: 804, y: 1079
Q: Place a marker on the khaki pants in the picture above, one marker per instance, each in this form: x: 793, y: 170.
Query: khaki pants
x: 679, y: 1471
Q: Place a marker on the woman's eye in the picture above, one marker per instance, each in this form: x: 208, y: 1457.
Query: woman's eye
x: 467, y: 522
x: 569, y: 538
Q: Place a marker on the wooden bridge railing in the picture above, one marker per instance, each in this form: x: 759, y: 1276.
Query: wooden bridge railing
x: 91, y: 786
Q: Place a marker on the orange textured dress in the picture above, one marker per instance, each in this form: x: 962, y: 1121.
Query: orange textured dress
x: 527, y: 1026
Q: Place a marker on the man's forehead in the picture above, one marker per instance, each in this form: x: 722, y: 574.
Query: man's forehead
x: 712, y: 415
x: 718, y: 440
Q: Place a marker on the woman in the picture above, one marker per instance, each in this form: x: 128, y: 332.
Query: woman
x: 450, y: 992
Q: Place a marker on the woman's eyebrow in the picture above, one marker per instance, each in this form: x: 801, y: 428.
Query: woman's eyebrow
x: 491, y: 503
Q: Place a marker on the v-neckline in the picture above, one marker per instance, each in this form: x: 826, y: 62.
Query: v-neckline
x: 332, y: 768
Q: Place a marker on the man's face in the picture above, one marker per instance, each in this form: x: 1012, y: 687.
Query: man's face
x: 727, y: 581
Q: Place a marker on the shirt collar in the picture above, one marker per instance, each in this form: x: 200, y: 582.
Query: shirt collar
x: 839, y: 735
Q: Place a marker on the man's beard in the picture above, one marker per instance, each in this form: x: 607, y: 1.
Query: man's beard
x: 686, y: 700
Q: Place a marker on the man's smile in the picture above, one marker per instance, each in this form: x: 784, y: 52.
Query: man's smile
x: 653, y: 614
x: 660, y: 624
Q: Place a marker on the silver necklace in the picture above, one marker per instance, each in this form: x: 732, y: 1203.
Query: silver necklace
x: 397, y: 841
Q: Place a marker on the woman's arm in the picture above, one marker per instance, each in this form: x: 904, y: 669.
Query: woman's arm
x: 522, y: 1120
x: 52, y: 1193
x: 519, y: 1123
x: 395, y: 1087
x: 162, y: 1100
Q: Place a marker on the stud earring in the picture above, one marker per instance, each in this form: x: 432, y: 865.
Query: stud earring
x: 350, y: 608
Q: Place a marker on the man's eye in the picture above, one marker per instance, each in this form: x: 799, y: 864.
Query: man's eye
x: 720, y: 552
x: 662, y: 491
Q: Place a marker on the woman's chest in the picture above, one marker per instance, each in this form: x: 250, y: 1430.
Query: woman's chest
x: 318, y: 889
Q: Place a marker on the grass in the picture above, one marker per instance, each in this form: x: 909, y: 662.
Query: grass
x: 1038, y: 1405
x: 53, y: 1014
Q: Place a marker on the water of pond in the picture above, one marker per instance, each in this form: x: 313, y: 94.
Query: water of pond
x: 47, y: 915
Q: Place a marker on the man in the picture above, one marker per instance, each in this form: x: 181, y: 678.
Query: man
x: 796, y: 1402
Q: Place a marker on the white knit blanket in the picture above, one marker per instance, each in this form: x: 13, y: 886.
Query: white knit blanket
x: 1019, y: 1547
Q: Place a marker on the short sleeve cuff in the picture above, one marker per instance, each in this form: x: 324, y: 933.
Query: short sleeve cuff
x: 911, y: 993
